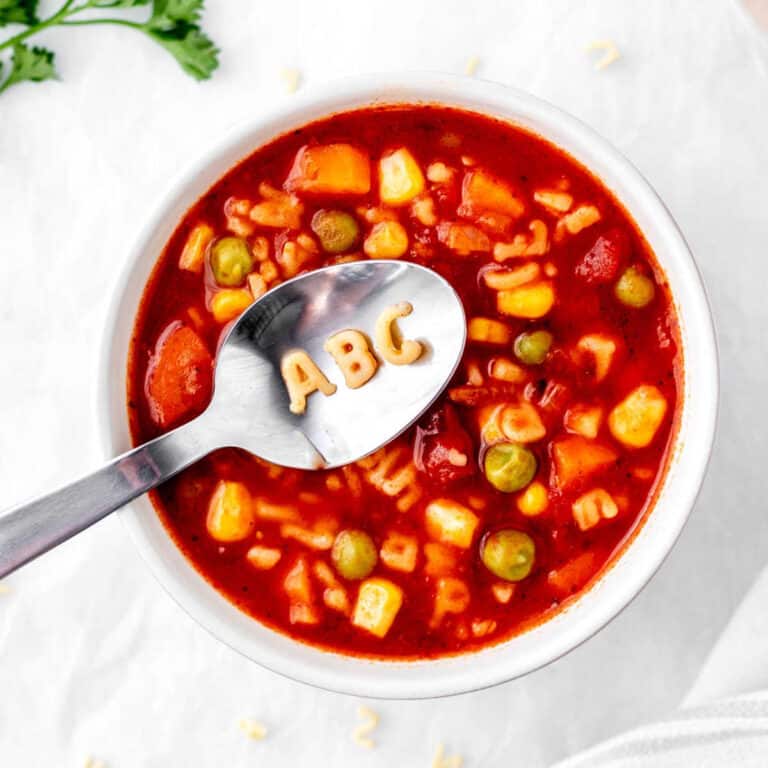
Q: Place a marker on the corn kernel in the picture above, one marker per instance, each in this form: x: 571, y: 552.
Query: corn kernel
x: 378, y: 602
x: 636, y: 419
x: 451, y: 522
x: 228, y: 304
x: 533, y: 500
x: 400, y: 178
x: 529, y: 301
x: 230, y: 512
x: 387, y: 240
x: 488, y: 331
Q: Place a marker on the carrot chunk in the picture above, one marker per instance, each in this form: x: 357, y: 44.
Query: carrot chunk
x: 481, y: 191
x: 332, y: 169
x: 576, y: 458
x: 572, y: 576
x: 179, y: 377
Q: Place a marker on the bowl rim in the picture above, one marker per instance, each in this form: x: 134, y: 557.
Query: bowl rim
x: 617, y: 585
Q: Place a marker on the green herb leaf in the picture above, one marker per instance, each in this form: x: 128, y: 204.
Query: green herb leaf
x: 18, y: 12
x: 169, y: 14
x: 195, y: 52
x: 117, y: 3
x: 174, y: 24
x: 33, y: 64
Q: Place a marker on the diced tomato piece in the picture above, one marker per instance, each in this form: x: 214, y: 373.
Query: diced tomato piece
x: 576, y: 458
x: 443, y: 450
x: 179, y: 377
x: 601, y: 264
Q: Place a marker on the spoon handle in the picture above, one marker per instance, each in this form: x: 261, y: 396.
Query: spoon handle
x: 31, y: 529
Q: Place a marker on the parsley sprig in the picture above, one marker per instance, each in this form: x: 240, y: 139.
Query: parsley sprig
x: 174, y: 24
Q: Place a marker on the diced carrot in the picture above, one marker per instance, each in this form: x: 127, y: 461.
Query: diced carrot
x: 333, y: 169
x: 572, y: 576
x: 481, y: 191
x: 485, y: 330
x: 464, y: 239
x: 179, y: 376
x: 576, y: 458
x: 441, y: 559
x: 192, y: 256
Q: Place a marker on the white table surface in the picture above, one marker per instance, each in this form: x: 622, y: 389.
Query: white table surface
x: 95, y: 659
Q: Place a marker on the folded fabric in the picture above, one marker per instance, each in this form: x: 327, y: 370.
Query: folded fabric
x: 724, y: 718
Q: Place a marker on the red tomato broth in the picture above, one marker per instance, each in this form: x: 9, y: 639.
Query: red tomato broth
x: 648, y: 354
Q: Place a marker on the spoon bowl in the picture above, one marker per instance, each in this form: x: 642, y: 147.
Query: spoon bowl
x: 250, y: 405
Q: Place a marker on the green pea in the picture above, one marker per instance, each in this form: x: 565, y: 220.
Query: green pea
x: 634, y: 289
x: 338, y: 231
x: 231, y: 261
x: 354, y: 554
x: 509, y: 466
x: 508, y: 554
x: 532, y: 348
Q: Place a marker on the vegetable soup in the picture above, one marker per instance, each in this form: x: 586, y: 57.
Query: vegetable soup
x: 534, y: 467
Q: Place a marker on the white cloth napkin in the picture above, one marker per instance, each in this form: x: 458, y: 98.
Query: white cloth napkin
x: 724, y: 718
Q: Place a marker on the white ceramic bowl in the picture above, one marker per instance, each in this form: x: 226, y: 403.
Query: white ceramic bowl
x: 618, y: 585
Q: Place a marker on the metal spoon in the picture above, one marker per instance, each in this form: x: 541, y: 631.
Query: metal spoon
x: 249, y: 408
